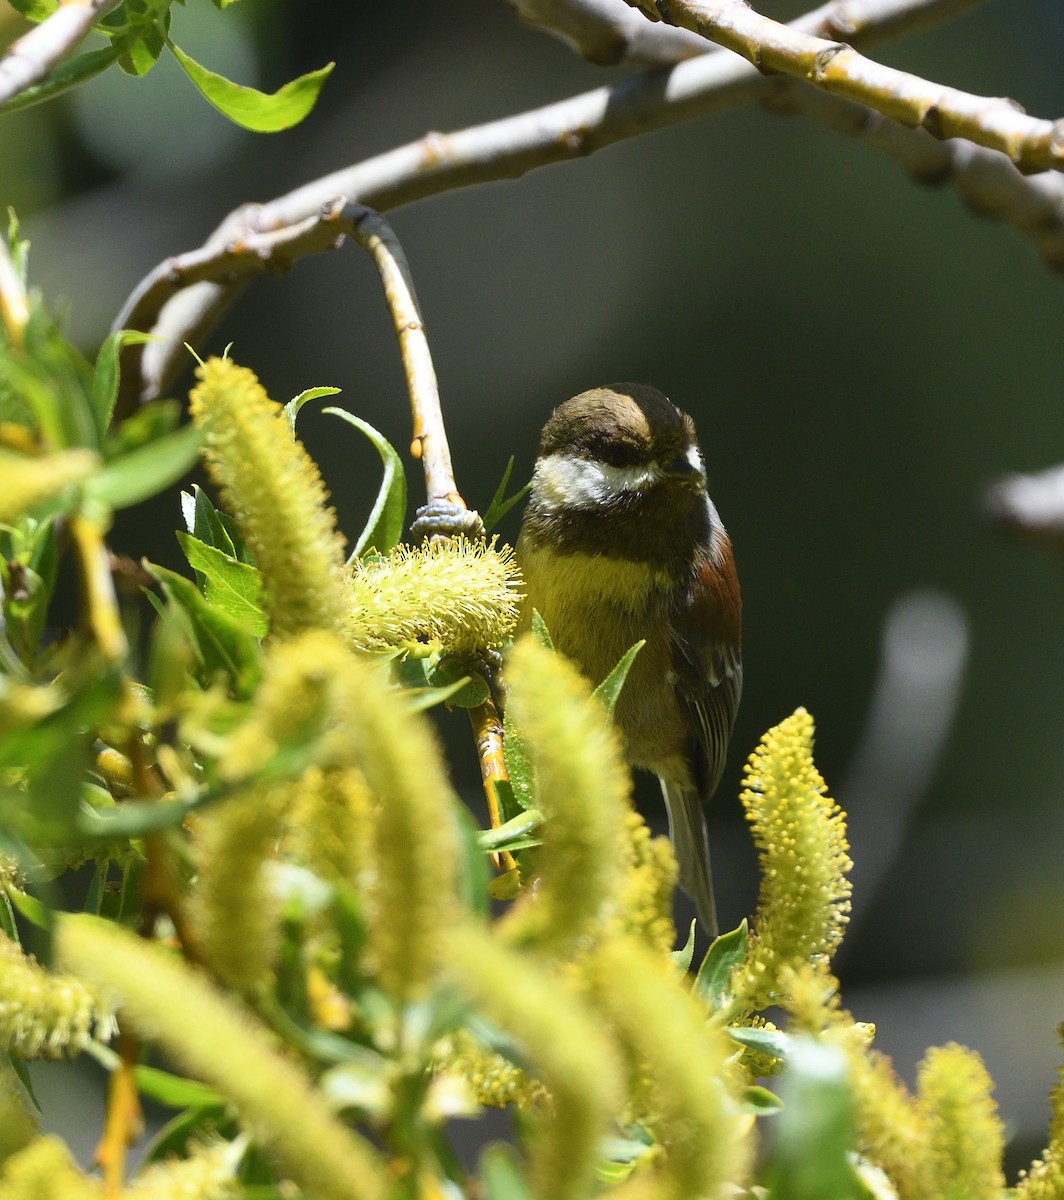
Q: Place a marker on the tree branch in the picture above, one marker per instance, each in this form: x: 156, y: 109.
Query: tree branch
x: 611, y: 31
x: 28, y: 60
x: 1032, y: 143
x: 183, y: 298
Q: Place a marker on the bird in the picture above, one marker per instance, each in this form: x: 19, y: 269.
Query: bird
x: 621, y: 542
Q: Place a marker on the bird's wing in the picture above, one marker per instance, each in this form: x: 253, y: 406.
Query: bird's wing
x: 707, y: 663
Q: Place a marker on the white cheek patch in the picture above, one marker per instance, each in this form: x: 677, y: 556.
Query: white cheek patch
x: 694, y: 457
x: 565, y: 481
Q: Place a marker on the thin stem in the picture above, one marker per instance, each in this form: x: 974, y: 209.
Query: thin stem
x: 429, y: 443
x: 487, y: 732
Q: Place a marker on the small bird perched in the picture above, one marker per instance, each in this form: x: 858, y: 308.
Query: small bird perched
x: 621, y: 542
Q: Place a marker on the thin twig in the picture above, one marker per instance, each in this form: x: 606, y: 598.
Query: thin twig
x: 1032, y: 143
x: 29, y: 59
x: 429, y: 443
x: 488, y: 735
x: 177, y: 306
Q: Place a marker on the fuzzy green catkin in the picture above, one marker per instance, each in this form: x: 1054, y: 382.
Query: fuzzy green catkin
x: 455, y: 593
x: 26, y: 480
x: 415, y: 827
x: 330, y: 825
x: 966, y: 1135
x: 567, y: 1049
x: 665, y: 1035
x: 214, y: 1040
x: 232, y: 911
x: 43, y: 1015
x: 892, y: 1129
x: 45, y: 1170
x: 582, y: 788
x: 800, y: 834
x: 275, y: 493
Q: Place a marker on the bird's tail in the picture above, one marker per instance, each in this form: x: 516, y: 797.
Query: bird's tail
x: 690, y: 843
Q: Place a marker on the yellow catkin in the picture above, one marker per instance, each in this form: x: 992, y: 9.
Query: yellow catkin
x: 566, y: 1047
x: 45, y: 1170
x: 966, y: 1135
x: 42, y: 1014
x: 232, y: 912
x: 459, y: 595
x: 220, y: 1043
x: 26, y: 480
x: 892, y: 1129
x: 415, y: 831
x: 205, y: 1174
x: 1045, y: 1178
x: 582, y: 788
x: 800, y: 834
x: 669, y: 1044
x: 275, y: 493
x: 494, y: 1080
x: 330, y: 825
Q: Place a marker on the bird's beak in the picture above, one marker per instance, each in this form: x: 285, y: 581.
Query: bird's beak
x: 684, y: 471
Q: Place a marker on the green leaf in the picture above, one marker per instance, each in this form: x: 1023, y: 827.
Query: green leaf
x: 714, y: 975
x: 105, y: 374
x: 67, y: 75
x: 518, y: 766
x: 151, y: 421
x: 470, y: 687
x: 501, y: 1176
x: 515, y: 834
x: 193, y: 1125
x: 500, y: 503
x: 224, y: 643
x: 34, y: 10
x: 232, y: 586
x: 211, y: 525
x: 291, y: 409
x: 473, y: 873
x: 258, y: 111
x: 610, y: 688
x: 173, y: 1090
x: 682, y: 958
x: 540, y: 631
x: 384, y: 528
x: 135, y: 476
x: 815, y: 1135
x: 761, y: 1102
x: 31, y: 908
x: 773, y: 1042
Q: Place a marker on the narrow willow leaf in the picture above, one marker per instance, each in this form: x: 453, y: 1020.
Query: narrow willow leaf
x: 105, y: 373
x: 145, y: 472
x: 515, y: 834
x: 384, y: 528
x: 291, y: 409
x: 501, y: 503
x: 231, y: 585
x: 34, y: 10
x: 761, y: 1102
x: 714, y: 975
x: 773, y: 1042
x: 173, y: 1090
x: 540, y: 631
x: 610, y: 688
x: 67, y: 75
x: 251, y: 109
x: 518, y: 767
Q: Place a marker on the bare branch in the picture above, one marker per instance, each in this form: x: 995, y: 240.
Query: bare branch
x: 29, y: 59
x: 1033, y: 143
x: 175, y: 303
x: 609, y: 32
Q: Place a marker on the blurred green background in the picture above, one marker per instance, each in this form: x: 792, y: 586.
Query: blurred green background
x: 861, y: 355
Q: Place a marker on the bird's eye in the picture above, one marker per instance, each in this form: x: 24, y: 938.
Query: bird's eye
x: 617, y: 454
